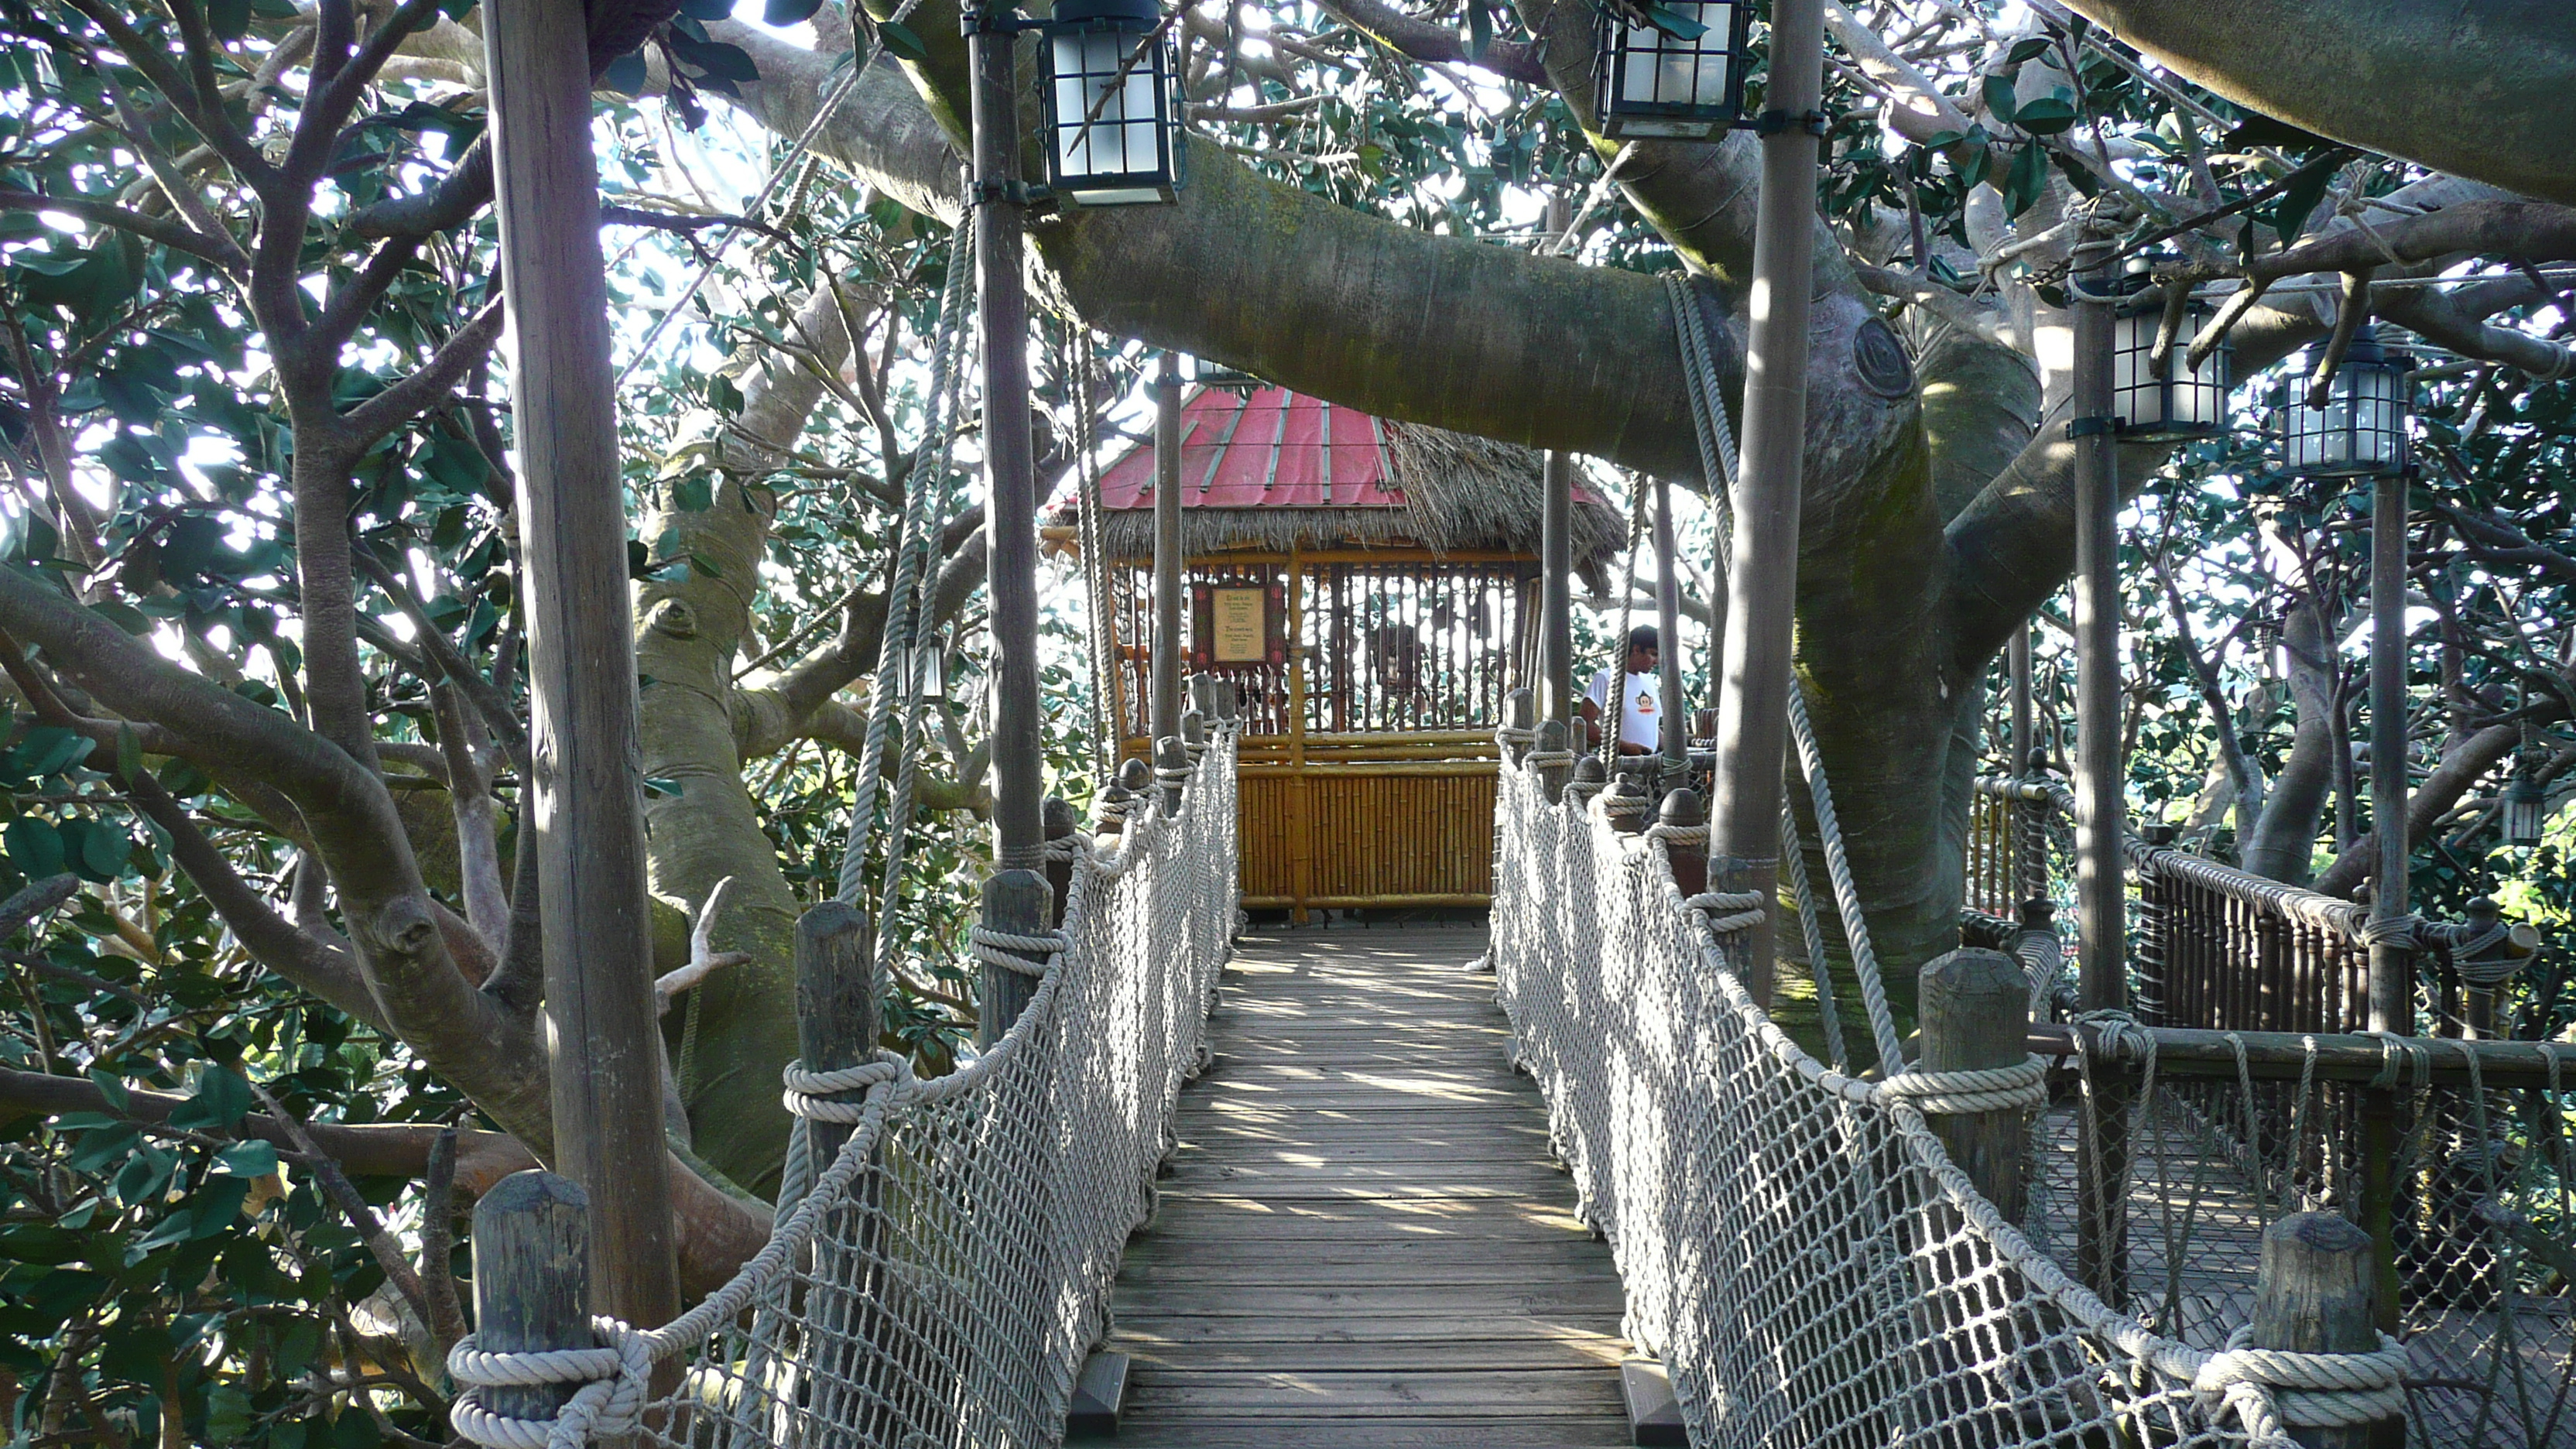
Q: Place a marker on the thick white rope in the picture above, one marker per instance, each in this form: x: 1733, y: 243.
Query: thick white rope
x: 2021, y: 1087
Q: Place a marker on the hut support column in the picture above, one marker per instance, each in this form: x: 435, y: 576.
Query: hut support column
x: 1753, y: 708
x: 1668, y: 625
x: 589, y: 815
x: 1167, y: 548
x: 1556, y: 596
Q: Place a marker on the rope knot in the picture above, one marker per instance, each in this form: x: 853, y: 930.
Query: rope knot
x: 810, y: 1094
x: 2272, y: 1390
x: 614, y: 1379
x: 993, y: 947
x: 2390, y: 930
x: 1743, y: 910
x: 2020, y: 1087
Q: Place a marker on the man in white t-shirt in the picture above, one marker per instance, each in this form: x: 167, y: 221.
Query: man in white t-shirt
x: 1641, y: 696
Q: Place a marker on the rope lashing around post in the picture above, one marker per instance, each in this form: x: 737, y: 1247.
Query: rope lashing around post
x: 810, y: 1095
x: 1541, y: 759
x: 614, y: 1380
x: 1743, y: 908
x: 2274, y: 1390
x: 2394, y: 1049
x: 2391, y: 930
x: 996, y: 948
x: 2020, y: 1087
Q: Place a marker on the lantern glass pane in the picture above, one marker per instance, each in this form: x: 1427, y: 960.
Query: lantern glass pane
x: 1105, y: 95
x: 1655, y: 84
x: 2176, y: 401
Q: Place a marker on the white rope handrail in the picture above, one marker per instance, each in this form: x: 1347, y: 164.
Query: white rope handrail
x: 2022, y: 1086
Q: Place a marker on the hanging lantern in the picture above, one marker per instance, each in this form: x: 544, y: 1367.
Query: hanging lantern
x: 2525, y: 809
x: 2174, y: 402
x: 931, y: 666
x: 2361, y: 431
x: 1673, y: 70
x: 1112, y: 129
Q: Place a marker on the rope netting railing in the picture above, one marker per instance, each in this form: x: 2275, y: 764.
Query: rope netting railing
x: 943, y: 1278
x: 1797, y: 1246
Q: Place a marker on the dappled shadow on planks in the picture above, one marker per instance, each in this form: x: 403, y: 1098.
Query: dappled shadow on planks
x: 1363, y: 1241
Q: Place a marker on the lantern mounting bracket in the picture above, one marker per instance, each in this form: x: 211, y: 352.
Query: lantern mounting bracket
x: 1773, y: 123
x: 2091, y: 427
x: 994, y: 20
x: 1016, y: 192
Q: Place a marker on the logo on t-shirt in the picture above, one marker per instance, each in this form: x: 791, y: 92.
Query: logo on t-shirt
x: 1645, y: 701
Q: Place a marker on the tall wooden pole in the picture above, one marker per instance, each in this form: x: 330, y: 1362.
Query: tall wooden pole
x: 2100, y: 802
x: 1002, y: 322
x: 1556, y: 592
x: 589, y: 808
x: 1167, y: 548
x: 1668, y: 624
x: 1753, y: 708
x: 2392, y: 967
x: 2022, y: 742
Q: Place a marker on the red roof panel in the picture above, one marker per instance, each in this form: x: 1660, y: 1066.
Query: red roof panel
x: 1264, y: 449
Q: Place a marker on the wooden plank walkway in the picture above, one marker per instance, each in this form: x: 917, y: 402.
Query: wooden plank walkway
x: 1364, y: 1241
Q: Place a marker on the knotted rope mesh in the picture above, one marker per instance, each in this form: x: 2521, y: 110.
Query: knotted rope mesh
x: 1796, y: 1245
x: 943, y: 1279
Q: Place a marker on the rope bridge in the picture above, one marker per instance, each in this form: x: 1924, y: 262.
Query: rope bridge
x: 1798, y: 1247
x: 942, y: 1279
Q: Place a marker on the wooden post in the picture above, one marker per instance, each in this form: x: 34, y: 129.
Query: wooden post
x: 1627, y: 803
x: 1193, y: 735
x: 836, y: 1004
x: 1556, y: 590
x: 1552, y: 773
x: 2022, y: 743
x: 1170, y: 755
x: 1975, y: 1009
x: 2312, y: 1294
x: 1520, y: 712
x: 1668, y: 626
x: 2102, y: 979
x: 1753, y: 707
x: 532, y: 1280
x: 2392, y: 962
x: 1015, y: 901
x: 589, y: 807
x: 1167, y: 547
x: 1681, y: 809
x: 1060, y: 823
x: 1002, y: 320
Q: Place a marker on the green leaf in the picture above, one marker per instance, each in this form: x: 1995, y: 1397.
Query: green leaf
x: 228, y: 19
x: 704, y: 566
x: 112, y: 1087
x: 248, y: 1159
x: 723, y: 396
x: 900, y: 41
x: 1999, y: 97
x: 34, y: 847
x: 103, y: 851
x: 129, y: 752
x: 48, y: 749
x: 2046, y: 116
x: 789, y: 12
x: 1939, y: 139
x: 625, y: 75
x: 704, y: 10
x: 2030, y: 47
x: 222, y: 1098
x: 1480, y: 30
x: 2029, y: 176
x: 694, y: 494
x: 228, y: 1415
x: 1674, y: 23
x: 2307, y: 187
x: 662, y: 787
x: 217, y: 1205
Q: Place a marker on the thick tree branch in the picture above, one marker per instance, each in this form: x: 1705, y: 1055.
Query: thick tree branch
x: 1433, y: 43
x: 220, y: 252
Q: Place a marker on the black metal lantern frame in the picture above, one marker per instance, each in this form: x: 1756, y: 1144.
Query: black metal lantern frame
x: 1112, y: 104
x: 1653, y: 84
x: 2362, y: 431
x: 2175, y: 402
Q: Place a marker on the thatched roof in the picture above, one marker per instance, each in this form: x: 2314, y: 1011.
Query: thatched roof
x: 1265, y: 485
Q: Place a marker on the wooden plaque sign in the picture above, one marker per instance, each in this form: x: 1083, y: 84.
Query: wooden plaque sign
x: 1238, y: 625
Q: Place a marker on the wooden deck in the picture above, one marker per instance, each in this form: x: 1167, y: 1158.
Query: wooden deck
x: 1364, y: 1241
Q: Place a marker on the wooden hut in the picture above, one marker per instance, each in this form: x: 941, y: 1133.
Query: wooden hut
x: 1371, y: 589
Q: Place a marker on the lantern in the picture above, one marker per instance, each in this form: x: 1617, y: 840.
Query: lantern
x: 2525, y: 809
x: 930, y: 666
x: 1110, y: 121
x: 2176, y: 401
x: 2361, y: 431
x: 1673, y: 72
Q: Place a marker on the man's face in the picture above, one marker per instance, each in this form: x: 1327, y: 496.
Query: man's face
x: 1642, y: 658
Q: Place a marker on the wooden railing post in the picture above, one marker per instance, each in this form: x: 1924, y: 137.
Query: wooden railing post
x: 1975, y: 1009
x: 1164, y: 704
x: 1056, y: 817
x: 1625, y: 803
x: 1015, y: 903
x: 1520, y: 713
x: 1681, y: 810
x: 1171, y: 767
x: 1193, y: 735
x: 2313, y: 1294
x: 1552, y: 772
x: 532, y: 1280
x: 836, y: 1005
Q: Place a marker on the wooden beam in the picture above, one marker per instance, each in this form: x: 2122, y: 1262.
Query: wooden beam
x: 1167, y: 547
x: 589, y: 810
